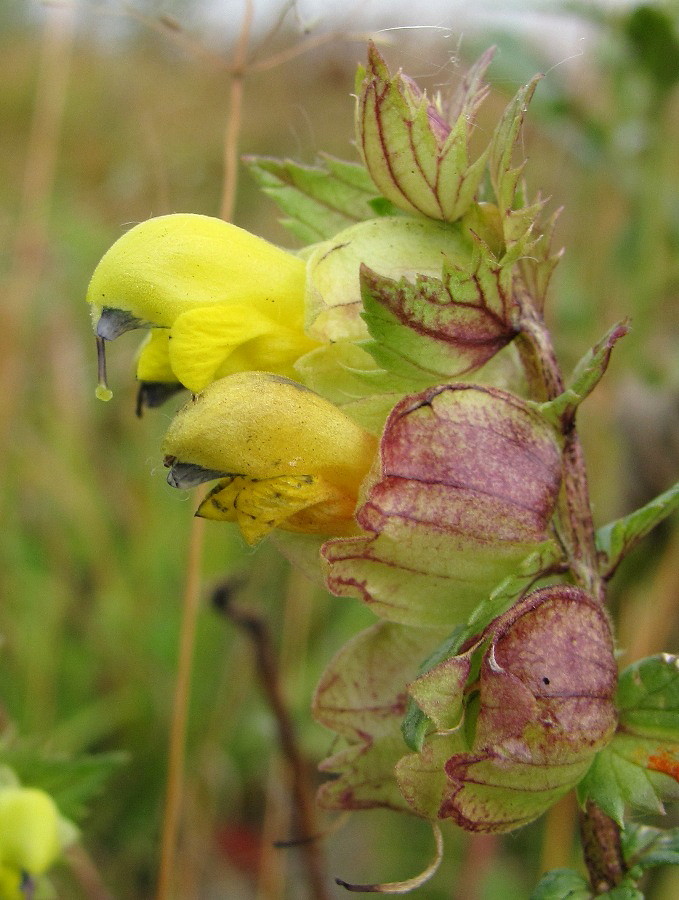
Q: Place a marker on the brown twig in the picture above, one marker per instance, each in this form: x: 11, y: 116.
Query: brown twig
x: 267, y: 670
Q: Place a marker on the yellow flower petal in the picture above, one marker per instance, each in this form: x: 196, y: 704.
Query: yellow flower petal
x: 170, y: 264
x: 202, y: 344
x: 29, y: 830
x: 263, y: 425
x: 259, y: 506
x: 153, y: 361
x: 301, y: 459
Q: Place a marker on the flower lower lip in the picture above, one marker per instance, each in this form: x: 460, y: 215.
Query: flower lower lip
x: 189, y: 475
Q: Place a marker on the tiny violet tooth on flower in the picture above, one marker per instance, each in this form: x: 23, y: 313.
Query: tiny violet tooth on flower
x: 214, y: 287
x: 287, y: 457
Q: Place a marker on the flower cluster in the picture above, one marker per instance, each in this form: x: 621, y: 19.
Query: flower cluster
x: 389, y: 393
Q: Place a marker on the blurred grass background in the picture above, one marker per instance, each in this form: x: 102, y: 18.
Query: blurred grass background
x: 112, y: 113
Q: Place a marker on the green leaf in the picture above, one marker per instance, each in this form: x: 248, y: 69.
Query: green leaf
x: 646, y: 847
x: 72, y: 782
x: 562, y: 884
x: 640, y: 767
x: 651, y: 33
x: 622, y: 775
x: 320, y: 200
x: 588, y: 373
x: 648, y: 698
x: 618, y: 538
x: 416, y: 723
x: 625, y: 891
x: 517, y: 218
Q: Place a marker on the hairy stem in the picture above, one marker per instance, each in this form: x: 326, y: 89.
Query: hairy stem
x: 575, y: 526
x: 602, y: 849
x: 574, y: 521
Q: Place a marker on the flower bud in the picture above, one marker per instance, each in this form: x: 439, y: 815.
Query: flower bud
x: 288, y: 456
x: 415, y: 156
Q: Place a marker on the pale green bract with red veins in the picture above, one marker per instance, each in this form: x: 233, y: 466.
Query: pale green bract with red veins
x: 515, y: 721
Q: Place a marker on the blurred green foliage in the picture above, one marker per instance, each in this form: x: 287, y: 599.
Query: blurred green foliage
x: 94, y: 545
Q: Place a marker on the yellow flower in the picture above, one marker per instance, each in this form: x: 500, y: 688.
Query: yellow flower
x: 30, y: 839
x: 287, y: 457
x: 225, y: 299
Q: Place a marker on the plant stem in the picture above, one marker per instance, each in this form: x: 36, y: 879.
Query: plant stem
x: 233, y: 124
x: 575, y: 526
x: 302, y: 795
x: 574, y: 520
x: 602, y: 849
x: 180, y: 705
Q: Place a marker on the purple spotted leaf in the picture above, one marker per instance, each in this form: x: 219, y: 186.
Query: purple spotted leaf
x: 466, y: 486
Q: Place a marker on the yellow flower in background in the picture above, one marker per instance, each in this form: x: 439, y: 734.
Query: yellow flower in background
x: 32, y: 837
x: 225, y: 299
x: 286, y: 457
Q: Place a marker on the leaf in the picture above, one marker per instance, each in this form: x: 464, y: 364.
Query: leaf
x: 539, y: 562
x: 416, y: 158
x: 632, y: 772
x: 394, y: 247
x: 320, y: 200
x: 640, y: 768
x: 562, y: 884
x: 648, y: 698
x: 362, y: 696
x: 518, y: 219
x: 415, y: 722
x: 651, y: 34
x: 588, y: 373
x: 645, y: 847
x: 617, y: 539
x: 73, y: 783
